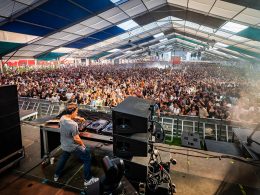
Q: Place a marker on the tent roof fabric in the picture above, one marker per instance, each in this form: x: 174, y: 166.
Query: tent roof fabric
x: 7, y: 47
x: 94, y: 28
x: 51, y: 56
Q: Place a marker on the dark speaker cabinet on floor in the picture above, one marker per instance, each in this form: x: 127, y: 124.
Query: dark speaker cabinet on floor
x: 11, y: 149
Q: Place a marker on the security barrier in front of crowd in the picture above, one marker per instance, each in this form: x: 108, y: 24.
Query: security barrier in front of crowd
x: 174, y: 125
x: 48, y: 108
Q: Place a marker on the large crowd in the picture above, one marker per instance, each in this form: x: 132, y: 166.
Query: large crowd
x: 204, y: 90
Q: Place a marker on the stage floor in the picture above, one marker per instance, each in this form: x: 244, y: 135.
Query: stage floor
x: 192, y: 175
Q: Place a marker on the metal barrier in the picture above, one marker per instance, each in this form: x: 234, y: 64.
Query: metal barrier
x: 43, y: 107
x: 174, y: 125
x: 105, y: 109
x: 47, y: 108
x: 220, y: 130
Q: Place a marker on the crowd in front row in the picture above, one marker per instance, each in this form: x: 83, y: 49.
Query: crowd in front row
x: 208, y: 91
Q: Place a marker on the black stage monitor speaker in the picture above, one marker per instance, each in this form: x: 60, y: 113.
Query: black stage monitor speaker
x: 131, y: 116
x: 191, y: 140
x: 10, y: 131
x: 135, y: 172
x: 129, y: 146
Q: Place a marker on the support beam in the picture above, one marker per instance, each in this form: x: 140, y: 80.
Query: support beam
x: 1, y: 66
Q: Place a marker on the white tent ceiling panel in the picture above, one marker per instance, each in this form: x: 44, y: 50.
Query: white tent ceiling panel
x: 85, y: 31
x: 180, y: 22
x: 124, y: 35
x: 109, y: 13
x: 201, y: 34
x: 242, y: 46
x: 114, y: 39
x: 253, y: 43
x: 43, y: 48
x: 164, y: 21
x: 117, y: 17
x: 74, y: 28
x: 238, y: 38
x: 144, y: 35
x: 123, y: 42
x: 150, y: 26
x: 206, y: 29
x: 25, y: 53
x: 64, y: 50
x: 36, y: 48
x: 192, y: 31
x: 137, y: 31
x: 100, y: 25
x: 179, y: 2
x: 133, y: 8
x: 56, y: 43
x: 218, y: 39
x: 66, y: 36
x: 228, y: 42
x: 201, y: 5
x: 29, y: 47
x: 186, y: 42
x: 29, y: 53
x: 16, y: 53
x: 44, y: 41
x: 155, y: 31
x: 229, y: 50
x: 153, y: 3
x: 255, y: 50
x: 134, y: 38
x: 192, y: 25
x: 172, y: 18
x: 60, y: 35
x: 225, y: 9
x: 167, y: 26
x: 103, y: 43
x: 223, y: 34
x: 136, y: 10
x: 91, y: 21
x: 130, y: 4
x: 9, y: 7
x: 16, y: 37
x: 90, y: 48
x: 177, y: 26
x: 27, y: 2
x: 250, y: 16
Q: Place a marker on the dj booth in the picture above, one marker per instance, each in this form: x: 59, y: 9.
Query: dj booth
x: 129, y: 130
x: 50, y: 138
x: 97, y: 127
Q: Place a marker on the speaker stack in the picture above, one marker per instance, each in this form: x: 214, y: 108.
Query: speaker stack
x: 10, y: 130
x: 130, y: 136
x: 130, y: 127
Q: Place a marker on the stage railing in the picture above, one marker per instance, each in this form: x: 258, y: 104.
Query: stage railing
x: 217, y: 129
x: 174, y: 125
x: 48, y: 108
